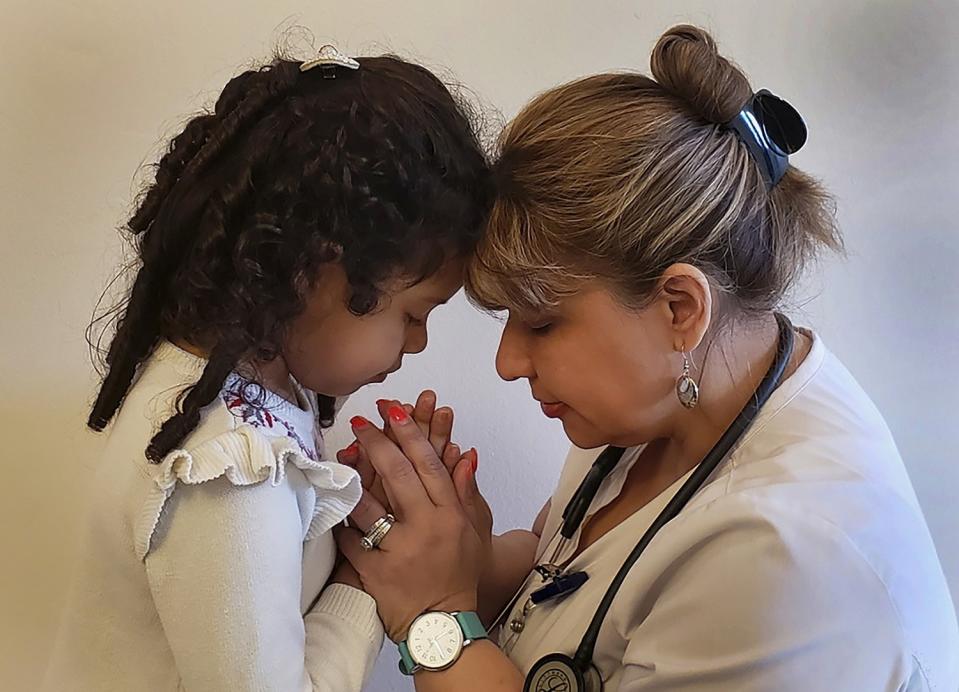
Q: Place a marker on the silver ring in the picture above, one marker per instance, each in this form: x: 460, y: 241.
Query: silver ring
x: 377, y: 532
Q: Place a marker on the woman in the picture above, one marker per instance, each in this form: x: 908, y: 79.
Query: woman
x: 643, y: 236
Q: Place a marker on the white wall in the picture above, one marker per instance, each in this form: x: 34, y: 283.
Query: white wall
x: 88, y: 90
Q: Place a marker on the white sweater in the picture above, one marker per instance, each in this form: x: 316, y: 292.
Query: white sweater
x: 195, y: 573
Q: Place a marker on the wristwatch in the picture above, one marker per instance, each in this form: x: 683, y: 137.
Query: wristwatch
x: 436, y: 640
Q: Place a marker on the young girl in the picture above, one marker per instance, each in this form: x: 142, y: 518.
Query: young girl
x: 294, y: 242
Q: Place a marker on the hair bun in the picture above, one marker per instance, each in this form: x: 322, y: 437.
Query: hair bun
x: 687, y: 63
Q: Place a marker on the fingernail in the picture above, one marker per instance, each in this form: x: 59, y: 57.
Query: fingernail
x: 352, y: 450
x: 474, y: 460
x: 398, y: 415
x: 359, y: 422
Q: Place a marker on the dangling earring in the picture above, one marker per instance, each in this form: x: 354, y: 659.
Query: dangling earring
x: 686, y: 387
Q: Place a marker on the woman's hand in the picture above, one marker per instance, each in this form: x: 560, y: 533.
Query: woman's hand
x: 433, y: 557
x: 437, y: 424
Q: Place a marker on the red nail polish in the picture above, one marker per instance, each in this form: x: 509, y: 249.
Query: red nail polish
x: 352, y: 450
x: 398, y: 414
x: 474, y: 460
x: 359, y: 422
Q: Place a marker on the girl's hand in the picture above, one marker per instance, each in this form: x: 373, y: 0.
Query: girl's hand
x: 433, y: 557
x: 345, y: 574
x: 435, y: 423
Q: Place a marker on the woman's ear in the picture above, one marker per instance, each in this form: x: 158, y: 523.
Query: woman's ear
x: 688, y: 302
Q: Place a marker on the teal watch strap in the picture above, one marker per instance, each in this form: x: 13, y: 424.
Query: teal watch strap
x: 407, y: 664
x: 471, y: 625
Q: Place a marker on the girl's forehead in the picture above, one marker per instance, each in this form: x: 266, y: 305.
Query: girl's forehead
x: 440, y: 286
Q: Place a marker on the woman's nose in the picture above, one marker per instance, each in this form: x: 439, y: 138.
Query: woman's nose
x: 512, y: 357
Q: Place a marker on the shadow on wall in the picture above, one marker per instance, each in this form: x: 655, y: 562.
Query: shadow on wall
x: 46, y: 486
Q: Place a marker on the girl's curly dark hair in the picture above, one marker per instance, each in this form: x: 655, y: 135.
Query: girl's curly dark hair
x: 379, y: 169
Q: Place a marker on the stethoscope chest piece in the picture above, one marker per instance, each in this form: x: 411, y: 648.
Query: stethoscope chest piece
x: 559, y: 673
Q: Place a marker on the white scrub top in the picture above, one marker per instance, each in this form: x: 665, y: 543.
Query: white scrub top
x: 804, y: 563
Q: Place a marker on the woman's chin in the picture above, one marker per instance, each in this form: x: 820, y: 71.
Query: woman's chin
x: 582, y: 434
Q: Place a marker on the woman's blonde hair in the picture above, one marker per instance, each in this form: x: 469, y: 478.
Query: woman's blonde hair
x: 617, y: 176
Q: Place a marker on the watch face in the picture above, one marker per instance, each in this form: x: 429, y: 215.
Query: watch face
x: 435, y: 640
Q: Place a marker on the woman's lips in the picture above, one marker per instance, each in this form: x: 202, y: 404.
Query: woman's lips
x: 554, y: 410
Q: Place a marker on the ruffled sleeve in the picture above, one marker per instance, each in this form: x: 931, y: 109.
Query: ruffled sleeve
x: 245, y: 457
x: 224, y: 567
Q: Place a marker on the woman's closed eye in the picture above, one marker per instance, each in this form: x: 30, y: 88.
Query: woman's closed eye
x: 540, y: 327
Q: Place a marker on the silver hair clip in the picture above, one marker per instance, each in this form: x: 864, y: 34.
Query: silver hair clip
x: 329, y: 58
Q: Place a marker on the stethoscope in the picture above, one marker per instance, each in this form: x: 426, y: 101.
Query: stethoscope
x: 578, y: 673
